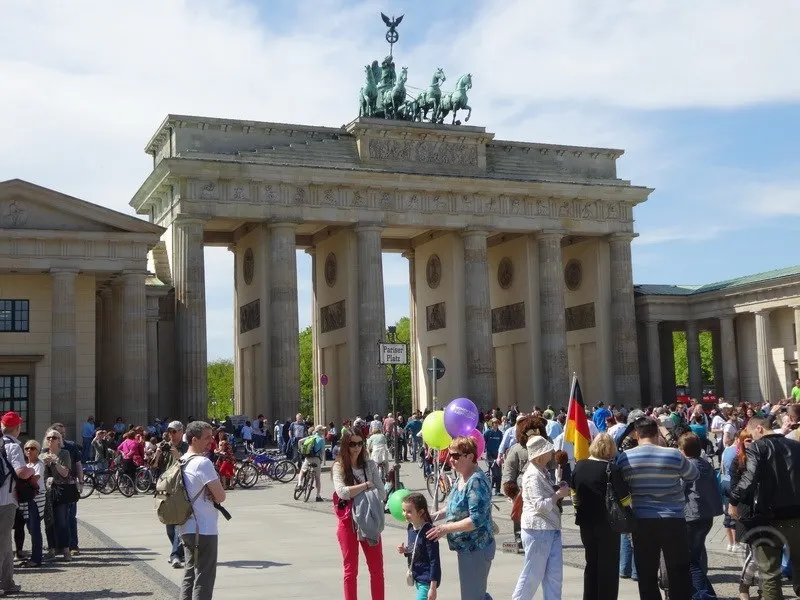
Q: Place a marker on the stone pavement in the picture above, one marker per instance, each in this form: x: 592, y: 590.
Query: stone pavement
x: 281, y: 547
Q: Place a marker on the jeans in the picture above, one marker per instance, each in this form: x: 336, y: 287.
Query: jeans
x: 35, y: 529
x: 87, y: 447
x: 696, y: 532
x: 201, y: 567
x: 769, y: 553
x: 422, y: 590
x: 61, y: 526
x: 543, y: 565
x: 175, y: 540
x: 72, y: 525
x: 415, y: 447
x: 627, y: 566
x: 651, y: 538
x: 7, y: 514
x: 348, y: 542
x: 473, y: 572
x: 496, y: 470
x: 601, y: 548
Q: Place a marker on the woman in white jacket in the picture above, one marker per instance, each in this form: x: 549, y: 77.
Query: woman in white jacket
x: 378, y: 448
x: 541, y: 526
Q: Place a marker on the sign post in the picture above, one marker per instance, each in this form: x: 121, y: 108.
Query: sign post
x: 436, y: 371
x: 323, y: 380
x: 394, y: 354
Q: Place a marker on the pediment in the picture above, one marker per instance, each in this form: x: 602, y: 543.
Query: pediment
x: 24, y: 205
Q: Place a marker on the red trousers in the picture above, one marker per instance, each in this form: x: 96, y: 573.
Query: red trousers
x: 348, y: 542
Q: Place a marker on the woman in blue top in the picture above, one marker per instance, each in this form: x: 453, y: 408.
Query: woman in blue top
x: 468, y: 519
x: 726, y: 464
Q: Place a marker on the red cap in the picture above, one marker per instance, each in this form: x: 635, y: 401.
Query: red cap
x: 11, y: 420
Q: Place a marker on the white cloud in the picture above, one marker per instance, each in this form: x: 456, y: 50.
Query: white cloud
x: 88, y: 81
x: 776, y: 199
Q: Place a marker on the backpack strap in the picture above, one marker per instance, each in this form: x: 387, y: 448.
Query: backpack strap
x: 12, y: 472
x: 183, y: 464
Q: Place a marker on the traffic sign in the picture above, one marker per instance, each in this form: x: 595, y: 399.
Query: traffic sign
x: 323, y: 379
x: 393, y: 354
x: 438, y: 369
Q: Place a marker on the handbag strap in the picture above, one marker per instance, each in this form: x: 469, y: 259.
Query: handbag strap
x: 414, y: 549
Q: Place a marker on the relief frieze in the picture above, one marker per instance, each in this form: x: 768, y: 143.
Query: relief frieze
x: 508, y: 318
x: 580, y: 317
x: 435, y: 316
x: 332, y: 317
x: 250, y: 316
x: 438, y: 153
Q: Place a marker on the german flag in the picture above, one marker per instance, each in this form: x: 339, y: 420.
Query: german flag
x: 577, y: 430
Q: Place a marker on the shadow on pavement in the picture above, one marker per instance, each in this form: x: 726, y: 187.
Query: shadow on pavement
x: 251, y: 564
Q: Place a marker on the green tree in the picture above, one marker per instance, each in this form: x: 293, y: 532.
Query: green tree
x: 403, y: 385
x: 682, y: 360
x: 220, y: 389
x: 306, y: 372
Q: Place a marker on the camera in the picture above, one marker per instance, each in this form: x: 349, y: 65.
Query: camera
x: 164, y: 446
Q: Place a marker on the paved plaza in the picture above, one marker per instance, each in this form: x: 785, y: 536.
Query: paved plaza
x: 284, y: 548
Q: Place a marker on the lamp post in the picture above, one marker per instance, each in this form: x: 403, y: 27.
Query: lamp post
x: 392, y: 338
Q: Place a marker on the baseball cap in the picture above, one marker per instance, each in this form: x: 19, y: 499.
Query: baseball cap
x: 11, y: 420
x: 175, y: 426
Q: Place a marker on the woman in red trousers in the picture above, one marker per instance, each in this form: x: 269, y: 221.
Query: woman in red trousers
x: 353, y: 474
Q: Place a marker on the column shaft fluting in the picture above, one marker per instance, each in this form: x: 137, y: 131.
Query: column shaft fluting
x: 654, y: 363
x: 63, y: 365
x: 117, y: 343
x: 764, y: 352
x: 624, y: 354
x: 189, y: 281
x: 693, y: 359
x: 105, y: 404
x: 412, y: 329
x: 320, y: 412
x: 730, y: 361
x: 371, y: 320
x: 797, y: 331
x: 153, y: 408
x: 481, y: 384
x: 555, y: 366
x: 284, y: 328
x: 668, y: 365
x: 134, y: 349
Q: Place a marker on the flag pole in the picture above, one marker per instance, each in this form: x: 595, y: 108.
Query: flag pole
x: 572, y: 388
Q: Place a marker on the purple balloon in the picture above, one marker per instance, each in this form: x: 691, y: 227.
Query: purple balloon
x: 460, y: 417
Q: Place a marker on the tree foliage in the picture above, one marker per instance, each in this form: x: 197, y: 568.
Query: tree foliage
x: 306, y: 372
x: 681, y: 358
x: 403, y: 384
x: 220, y: 389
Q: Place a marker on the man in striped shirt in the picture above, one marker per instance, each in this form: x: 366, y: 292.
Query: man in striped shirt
x: 656, y: 477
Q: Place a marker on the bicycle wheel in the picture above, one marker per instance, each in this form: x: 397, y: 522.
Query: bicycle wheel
x: 126, y: 486
x: 430, y: 483
x: 301, y: 486
x: 309, y: 485
x: 105, y: 482
x: 285, y: 471
x: 247, y: 475
x: 143, y: 480
x: 88, y: 486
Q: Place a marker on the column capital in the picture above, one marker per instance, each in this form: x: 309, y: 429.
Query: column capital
x: 652, y: 322
x: 233, y: 248
x: 278, y: 224
x: 408, y: 254
x: 189, y: 220
x: 762, y: 312
x: 311, y: 251
x: 727, y: 316
x: 361, y: 226
x: 622, y: 236
x: 549, y: 234
x: 474, y: 231
x: 64, y: 272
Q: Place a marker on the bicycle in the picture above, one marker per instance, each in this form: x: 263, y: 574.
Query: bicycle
x: 447, y: 479
x: 305, y: 484
x: 145, y: 479
x: 270, y: 465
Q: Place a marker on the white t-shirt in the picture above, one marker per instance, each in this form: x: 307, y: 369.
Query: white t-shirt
x: 198, y: 473
x: 717, y: 422
x: 728, y: 430
x: 247, y: 433
x: 17, y: 461
x: 560, y: 444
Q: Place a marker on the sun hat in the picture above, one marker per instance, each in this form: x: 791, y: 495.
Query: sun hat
x: 537, y: 445
x: 175, y: 426
x: 11, y: 420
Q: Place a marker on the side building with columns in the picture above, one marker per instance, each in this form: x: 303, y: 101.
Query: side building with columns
x: 519, y: 260
x: 754, y: 323
x: 85, y: 325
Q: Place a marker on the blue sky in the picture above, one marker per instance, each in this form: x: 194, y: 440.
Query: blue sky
x: 704, y: 98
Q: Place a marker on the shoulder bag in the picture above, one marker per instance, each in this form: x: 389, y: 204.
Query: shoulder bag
x: 620, y: 515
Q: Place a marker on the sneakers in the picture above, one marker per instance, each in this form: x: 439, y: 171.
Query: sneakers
x: 176, y: 563
x: 319, y: 499
x: 67, y: 555
x: 75, y: 551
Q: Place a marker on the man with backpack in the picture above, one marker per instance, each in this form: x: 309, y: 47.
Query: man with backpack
x: 312, y: 449
x: 199, y: 533
x: 12, y: 468
x: 166, y: 454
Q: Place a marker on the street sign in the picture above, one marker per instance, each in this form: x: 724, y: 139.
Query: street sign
x: 323, y: 379
x: 393, y: 354
x: 438, y: 369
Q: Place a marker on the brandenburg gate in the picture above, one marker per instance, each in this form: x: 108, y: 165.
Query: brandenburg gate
x: 519, y: 259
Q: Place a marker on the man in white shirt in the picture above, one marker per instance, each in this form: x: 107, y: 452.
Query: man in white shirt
x: 11, y: 424
x: 200, y: 534
x: 247, y: 436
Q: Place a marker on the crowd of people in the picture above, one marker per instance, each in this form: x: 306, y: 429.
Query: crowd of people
x: 675, y: 468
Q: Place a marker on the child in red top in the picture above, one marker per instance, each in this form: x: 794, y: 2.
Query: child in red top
x: 225, y: 463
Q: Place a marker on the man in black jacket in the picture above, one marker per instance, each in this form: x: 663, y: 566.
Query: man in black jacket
x: 771, y: 484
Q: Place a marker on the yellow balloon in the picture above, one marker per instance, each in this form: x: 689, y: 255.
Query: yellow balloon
x: 433, y: 431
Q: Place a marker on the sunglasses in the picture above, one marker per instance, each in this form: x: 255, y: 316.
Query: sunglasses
x: 455, y: 455
x: 356, y: 444
x: 31, y: 448
x: 51, y: 437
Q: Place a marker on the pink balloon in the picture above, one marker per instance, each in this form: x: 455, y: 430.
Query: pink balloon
x: 479, y: 441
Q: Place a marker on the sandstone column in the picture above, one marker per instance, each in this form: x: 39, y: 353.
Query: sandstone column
x: 116, y: 359
x: 320, y: 412
x: 105, y: 404
x: 153, y: 408
x: 63, y: 365
x: 98, y: 352
x: 797, y: 332
x: 730, y: 362
x: 238, y: 402
x: 371, y: 320
x: 412, y: 329
x: 190, y: 316
x: 667, y: 365
x: 654, y: 363
x: 716, y: 354
x: 624, y: 350
x: 481, y: 384
x: 694, y: 363
x: 284, y: 327
x: 764, y: 352
x: 555, y: 367
x: 134, y: 349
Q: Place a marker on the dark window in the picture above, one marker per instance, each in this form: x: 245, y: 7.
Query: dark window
x: 14, y: 315
x: 14, y: 396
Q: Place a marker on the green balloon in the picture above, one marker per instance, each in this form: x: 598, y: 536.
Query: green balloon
x: 396, y: 504
x: 434, y: 432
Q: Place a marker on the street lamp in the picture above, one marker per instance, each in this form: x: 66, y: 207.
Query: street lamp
x: 392, y: 338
